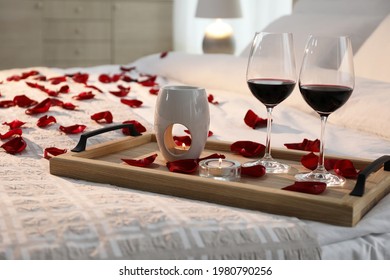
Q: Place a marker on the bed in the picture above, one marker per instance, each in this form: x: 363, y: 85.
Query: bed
x: 43, y: 216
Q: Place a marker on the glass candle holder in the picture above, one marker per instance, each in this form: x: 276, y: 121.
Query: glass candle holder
x: 220, y: 169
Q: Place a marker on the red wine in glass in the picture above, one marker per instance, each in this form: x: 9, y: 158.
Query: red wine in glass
x: 325, y: 99
x: 271, y: 92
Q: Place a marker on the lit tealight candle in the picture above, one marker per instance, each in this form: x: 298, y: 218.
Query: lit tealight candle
x: 220, y: 169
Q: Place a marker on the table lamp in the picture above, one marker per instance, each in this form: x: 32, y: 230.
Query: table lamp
x: 218, y: 36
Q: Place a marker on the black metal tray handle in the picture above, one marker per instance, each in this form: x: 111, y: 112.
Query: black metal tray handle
x: 81, y: 145
x: 358, y: 190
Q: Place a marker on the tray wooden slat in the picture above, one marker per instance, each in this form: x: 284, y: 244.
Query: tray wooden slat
x: 102, y: 163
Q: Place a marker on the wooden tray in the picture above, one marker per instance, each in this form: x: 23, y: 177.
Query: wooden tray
x: 102, y: 163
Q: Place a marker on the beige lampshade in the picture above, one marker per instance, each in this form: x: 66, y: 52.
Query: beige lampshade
x: 218, y: 9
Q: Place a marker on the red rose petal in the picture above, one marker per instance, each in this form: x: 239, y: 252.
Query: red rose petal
x: 73, y: 129
x: 307, y: 187
x: 10, y: 133
x: 81, y: 78
x: 7, y: 103
x: 57, y: 80
x: 144, y: 162
x: 133, y: 103
x: 24, y: 75
x: 138, y: 127
x: 345, y: 168
x: 64, y: 89
x: 15, y: 145
x: 14, y: 124
x: 24, y: 101
x: 93, y: 87
x: 310, y: 161
x: 41, y: 107
x: 68, y: 106
x: 305, y: 145
x: 247, y: 148
x: 210, y: 98
x: 45, y: 121
x: 53, y: 151
x: 186, y: 166
x: 253, y: 171
x: 154, y: 90
x: 123, y: 91
x: 163, y: 54
x: 84, y: 95
x: 56, y: 102
x: 105, y: 115
x: 149, y: 82
x: 180, y: 140
x: 253, y: 120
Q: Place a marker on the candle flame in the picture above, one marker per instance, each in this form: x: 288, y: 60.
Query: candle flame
x: 183, y: 146
x: 220, y: 162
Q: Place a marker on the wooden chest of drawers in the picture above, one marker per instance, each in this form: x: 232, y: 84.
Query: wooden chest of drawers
x: 69, y: 33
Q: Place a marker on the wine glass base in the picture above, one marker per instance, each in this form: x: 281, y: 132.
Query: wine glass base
x: 331, y: 180
x: 271, y: 165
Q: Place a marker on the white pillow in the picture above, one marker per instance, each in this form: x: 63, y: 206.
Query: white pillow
x: 373, y: 58
x: 302, y: 25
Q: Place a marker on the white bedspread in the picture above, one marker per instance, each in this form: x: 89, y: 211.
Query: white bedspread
x: 48, y: 217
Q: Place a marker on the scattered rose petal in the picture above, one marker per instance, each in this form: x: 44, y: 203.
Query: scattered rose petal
x: 64, y: 89
x: 6, y: 103
x: 41, y: 107
x: 133, y: 103
x: 150, y: 81
x: 345, y: 168
x: 73, y: 129
x: 105, y: 115
x: 310, y: 161
x: 138, y: 127
x: 57, y: 80
x: 305, y: 145
x: 307, y: 187
x: 163, y: 54
x: 45, y: 121
x: 24, y: 101
x: 154, y: 90
x: 81, y: 78
x: 15, y: 145
x: 254, y: 121
x: 128, y: 79
x: 123, y: 91
x: 253, y: 171
x: 53, y: 151
x: 24, y: 75
x: 186, y: 166
x: 106, y: 79
x: 84, y: 95
x: 180, y: 140
x: 144, y: 162
x: 68, y: 106
x: 56, y: 102
x: 14, y: 124
x: 247, y: 148
x: 10, y: 133
x: 42, y: 88
x: 93, y: 87
x: 210, y: 98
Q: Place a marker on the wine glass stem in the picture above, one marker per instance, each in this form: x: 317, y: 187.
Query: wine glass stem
x: 321, y: 158
x: 267, y: 154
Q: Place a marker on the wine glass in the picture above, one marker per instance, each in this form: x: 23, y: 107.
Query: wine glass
x: 326, y: 82
x: 271, y: 77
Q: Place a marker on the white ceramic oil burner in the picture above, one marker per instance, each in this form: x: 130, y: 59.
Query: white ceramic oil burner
x: 182, y: 105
